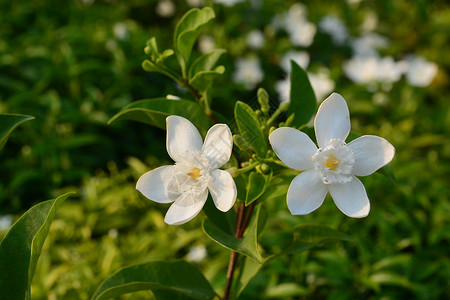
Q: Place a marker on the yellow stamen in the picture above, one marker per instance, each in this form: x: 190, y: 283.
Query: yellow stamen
x: 331, y: 163
x: 195, y: 173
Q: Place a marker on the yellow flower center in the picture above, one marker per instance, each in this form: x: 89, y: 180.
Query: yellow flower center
x: 331, y: 163
x: 195, y: 173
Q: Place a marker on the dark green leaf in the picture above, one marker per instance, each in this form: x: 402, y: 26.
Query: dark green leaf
x: 7, y: 124
x: 249, y: 127
x: 187, y: 31
x: 279, y: 186
x: 308, y: 236
x: 224, y: 221
x: 180, y: 279
x: 205, y: 62
x: 247, y: 245
x: 302, y: 97
x: 155, y: 112
x: 21, y: 247
x: 257, y: 185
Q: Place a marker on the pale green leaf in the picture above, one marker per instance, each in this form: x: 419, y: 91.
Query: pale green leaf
x: 202, y: 80
x: 257, y: 185
x: 205, y: 62
x: 21, y: 247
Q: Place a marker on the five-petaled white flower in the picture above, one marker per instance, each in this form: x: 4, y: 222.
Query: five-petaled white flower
x: 332, y: 167
x: 196, y: 171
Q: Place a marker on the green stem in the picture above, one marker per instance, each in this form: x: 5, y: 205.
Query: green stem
x: 248, y: 168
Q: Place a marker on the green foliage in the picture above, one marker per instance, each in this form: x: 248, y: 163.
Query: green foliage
x: 21, y: 247
x: 187, y: 31
x: 7, y: 124
x: 302, y: 97
x: 250, y: 129
x: 247, y: 245
x: 155, y: 111
x: 257, y: 185
x: 179, y: 278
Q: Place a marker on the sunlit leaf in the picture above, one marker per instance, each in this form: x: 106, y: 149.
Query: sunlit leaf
x: 302, y: 97
x: 21, y: 247
x: 7, y: 124
x: 187, y: 31
x: 155, y: 112
x: 257, y: 185
x: 178, y: 279
x: 205, y: 62
x: 247, y: 245
x: 202, y: 80
x: 249, y: 127
x: 249, y: 268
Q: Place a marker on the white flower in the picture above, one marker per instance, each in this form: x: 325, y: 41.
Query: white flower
x: 165, y: 8
x: 5, y: 222
x: 301, y: 58
x: 420, y: 72
x: 248, y: 71
x: 321, y: 83
x: 283, y: 88
x: 294, y: 21
x: 228, y: 2
x: 335, y: 28
x: 255, y: 39
x: 362, y: 69
x: 196, y: 253
x: 196, y: 171
x: 206, y: 44
x: 332, y: 167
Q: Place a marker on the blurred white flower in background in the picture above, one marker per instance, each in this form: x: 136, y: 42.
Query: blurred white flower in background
x: 299, y: 57
x: 5, y: 222
x: 283, y: 88
x: 370, y: 22
x: 228, y: 2
x: 120, y: 31
x: 165, y: 8
x: 321, y: 83
x: 255, y: 39
x: 335, y: 28
x: 361, y: 69
x: 301, y: 32
x: 248, y: 71
x: 368, y: 43
x: 196, y: 253
x: 420, y: 72
x: 206, y: 44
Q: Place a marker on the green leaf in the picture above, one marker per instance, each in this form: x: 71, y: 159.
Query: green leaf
x: 21, y: 247
x: 224, y: 221
x: 302, y: 97
x: 205, y: 62
x: 7, y: 124
x: 247, y: 245
x: 202, y: 80
x: 249, y: 127
x: 257, y: 185
x: 155, y: 112
x: 249, y: 269
x: 178, y: 279
x: 307, y: 236
x: 279, y: 185
x: 187, y: 31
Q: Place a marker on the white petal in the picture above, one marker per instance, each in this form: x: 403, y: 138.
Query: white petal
x: 222, y: 189
x: 332, y: 120
x: 185, y: 208
x: 293, y: 147
x: 156, y: 185
x: 370, y: 153
x: 182, y: 136
x: 351, y: 198
x: 306, y: 193
x: 218, y: 145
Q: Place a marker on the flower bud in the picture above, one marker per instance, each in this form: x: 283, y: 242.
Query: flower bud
x: 263, y: 99
x: 233, y: 171
x: 284, y: 106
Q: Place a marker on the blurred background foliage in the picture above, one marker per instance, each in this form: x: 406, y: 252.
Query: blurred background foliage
x: 74, y: 64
